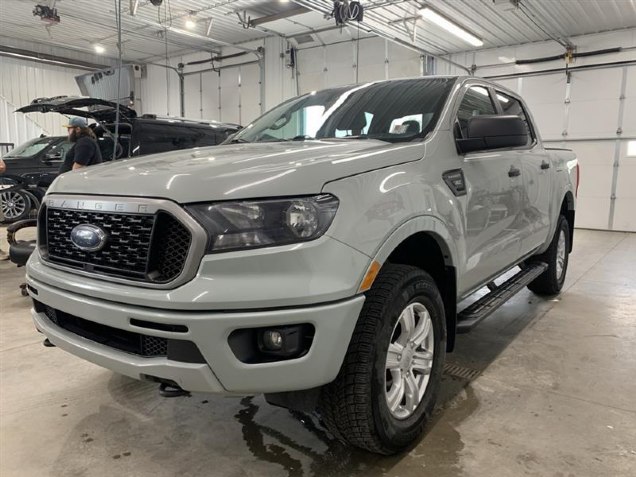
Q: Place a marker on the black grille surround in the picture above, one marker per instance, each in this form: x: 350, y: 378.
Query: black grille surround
x: 150, y: 248
x: 123, y: 340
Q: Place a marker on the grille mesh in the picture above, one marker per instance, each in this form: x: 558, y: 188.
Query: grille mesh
x: 135, y: 343
x: 169, y: 254
x: 149, y: 248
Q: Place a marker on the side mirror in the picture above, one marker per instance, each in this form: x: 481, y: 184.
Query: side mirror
x: 493, y: 132
x: 53, y: 156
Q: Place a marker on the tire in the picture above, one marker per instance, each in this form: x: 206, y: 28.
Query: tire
x: 556, y: 256
x: 16, y: 205
x: 355, y: 407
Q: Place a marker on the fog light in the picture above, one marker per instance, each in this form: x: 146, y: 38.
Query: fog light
x: 273, y: 340
x: 284, y: 341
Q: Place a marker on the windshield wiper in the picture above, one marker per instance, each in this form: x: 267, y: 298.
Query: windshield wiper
x: 302, y: 137
x: 237, y: 141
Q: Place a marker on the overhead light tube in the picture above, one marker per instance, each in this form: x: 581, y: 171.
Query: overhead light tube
x: 432, y: 16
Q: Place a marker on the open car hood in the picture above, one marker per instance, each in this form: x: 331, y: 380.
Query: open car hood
x: 98, y: 109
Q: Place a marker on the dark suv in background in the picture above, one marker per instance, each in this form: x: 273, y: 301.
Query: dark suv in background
x: 138, y: 136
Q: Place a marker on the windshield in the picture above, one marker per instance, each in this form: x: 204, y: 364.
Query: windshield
x: 30, y: 148
x: 393, y: 111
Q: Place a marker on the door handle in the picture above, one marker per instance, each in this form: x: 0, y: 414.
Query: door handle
x: 545, y: 165
x: 514, y: 172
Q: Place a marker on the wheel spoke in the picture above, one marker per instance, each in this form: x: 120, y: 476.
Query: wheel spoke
x: 396, y: 393
x: 394, y: 355
x: 407, y: 320
x: 423, y: 329
x: 411, y: 392
x: 423, y: 361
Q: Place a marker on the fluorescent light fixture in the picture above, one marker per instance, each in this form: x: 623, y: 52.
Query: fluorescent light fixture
x: 450, y: 27
x: 134, y: 5
x: 99, y: 49
x: 190, y: 24
x: 209, y: 28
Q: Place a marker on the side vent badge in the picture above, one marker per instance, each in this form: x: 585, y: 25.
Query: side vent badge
x: 455, y: 181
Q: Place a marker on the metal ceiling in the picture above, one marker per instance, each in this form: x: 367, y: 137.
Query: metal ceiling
x: 154, y: 32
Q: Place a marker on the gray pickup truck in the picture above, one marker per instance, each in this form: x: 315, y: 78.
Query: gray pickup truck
x: 318, y: 257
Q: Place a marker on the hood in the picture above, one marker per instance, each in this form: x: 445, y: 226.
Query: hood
x: 240, y: 171
x: 98, y: 109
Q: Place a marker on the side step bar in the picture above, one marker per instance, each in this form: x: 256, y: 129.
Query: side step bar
x: 472, y: 315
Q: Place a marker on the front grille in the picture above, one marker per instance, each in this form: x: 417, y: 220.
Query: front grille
x: 123, y: 340
x: 142, y: 247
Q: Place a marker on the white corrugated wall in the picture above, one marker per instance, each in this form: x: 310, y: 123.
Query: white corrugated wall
x: 22, y: 81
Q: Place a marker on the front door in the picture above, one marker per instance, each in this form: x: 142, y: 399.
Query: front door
x: 494, y: 198
x: 537, y: 173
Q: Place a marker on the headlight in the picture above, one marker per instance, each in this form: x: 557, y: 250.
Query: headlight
x: 251, y: 224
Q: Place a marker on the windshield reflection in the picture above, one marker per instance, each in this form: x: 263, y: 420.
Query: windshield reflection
x: 392, y: 111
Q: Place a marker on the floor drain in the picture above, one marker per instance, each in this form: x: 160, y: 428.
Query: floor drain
x: 461, y: 371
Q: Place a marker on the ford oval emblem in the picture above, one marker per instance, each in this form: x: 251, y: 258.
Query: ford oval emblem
x: 88, y: 237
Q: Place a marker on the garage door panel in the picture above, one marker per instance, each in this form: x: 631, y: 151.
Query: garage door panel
x: 340, y: 76
x: 596, y: 181
x: 340, y: 55
x: 370, y: 73
x: 597, y: 118
x: 311, y: 82
x: 598, y: 84
x: 629, y: 116
x: 624, y: 216
x: 210, y: 99
x: 544, y: 89
x: 230, y: 95
x: 626, y: 183
x: 371, y: 52
x: 404, y: 69
x: 399, y: 53
x: 592, y: 212
x: 250, y: 93
x: 311, y: 61
x: 511, y: 84
x: 549, y: 119
x: 589, y: 153
x: 192, y: 99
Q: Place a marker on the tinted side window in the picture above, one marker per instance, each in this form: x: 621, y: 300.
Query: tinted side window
x: 509, y: 106
x: 475, y: 102
x: 155, y: 138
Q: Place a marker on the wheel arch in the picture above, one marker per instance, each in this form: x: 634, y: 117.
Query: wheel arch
x: 426, y: 243
x: 567, y: 210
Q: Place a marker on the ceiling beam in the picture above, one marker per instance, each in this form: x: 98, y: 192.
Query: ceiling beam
x: 49, y: 59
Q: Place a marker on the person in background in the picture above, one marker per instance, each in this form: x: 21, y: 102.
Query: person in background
x: 3, y: 254
x: 84, y: 151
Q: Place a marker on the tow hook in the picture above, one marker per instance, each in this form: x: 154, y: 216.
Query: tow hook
x: 171, y: 390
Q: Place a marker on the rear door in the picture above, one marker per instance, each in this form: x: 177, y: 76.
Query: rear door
x: 537, y: 173
x: 494, y: 189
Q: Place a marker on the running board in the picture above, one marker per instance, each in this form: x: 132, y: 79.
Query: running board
x: 471, y: 316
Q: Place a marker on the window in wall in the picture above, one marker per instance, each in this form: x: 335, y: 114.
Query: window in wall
x: 475, y: 102
x: 510, y: 105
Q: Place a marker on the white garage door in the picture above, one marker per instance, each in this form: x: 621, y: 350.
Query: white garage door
x: 595, y: 115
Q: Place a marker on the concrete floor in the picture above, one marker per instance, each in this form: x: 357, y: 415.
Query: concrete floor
x: 543, y: 387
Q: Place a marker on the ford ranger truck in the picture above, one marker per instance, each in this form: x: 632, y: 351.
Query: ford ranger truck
x: 318, y: 256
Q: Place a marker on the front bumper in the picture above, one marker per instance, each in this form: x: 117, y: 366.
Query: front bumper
x: 223, y: 373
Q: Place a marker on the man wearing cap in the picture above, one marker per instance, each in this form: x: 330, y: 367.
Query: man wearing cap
x: 85, y: 151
